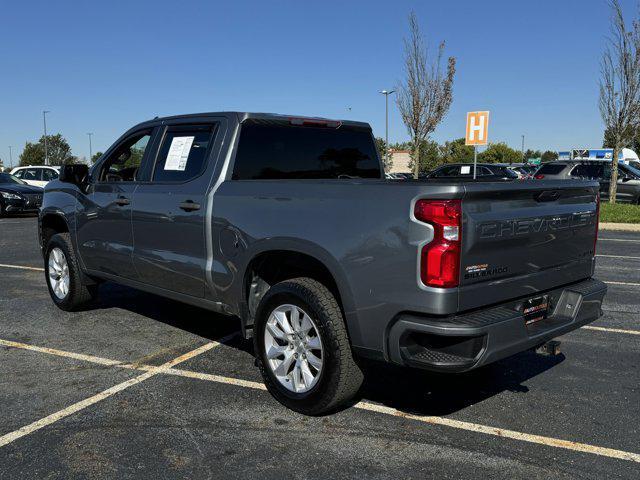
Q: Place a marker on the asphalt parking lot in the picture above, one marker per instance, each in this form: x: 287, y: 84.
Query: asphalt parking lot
x: 141, y: 386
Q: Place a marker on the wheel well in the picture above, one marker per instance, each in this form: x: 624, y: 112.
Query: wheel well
x: 269, y: 268
x: 52, y: 224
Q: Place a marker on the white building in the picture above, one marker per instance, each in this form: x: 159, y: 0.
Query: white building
x: 400, y: 161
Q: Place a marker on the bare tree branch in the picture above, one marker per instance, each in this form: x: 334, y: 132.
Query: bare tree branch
x: 425, y: 95
x: 619, y: 100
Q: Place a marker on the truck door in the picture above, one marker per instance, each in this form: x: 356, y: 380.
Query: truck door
x: 104, y: 234
x: 169, y: 211
x: 628, y: 185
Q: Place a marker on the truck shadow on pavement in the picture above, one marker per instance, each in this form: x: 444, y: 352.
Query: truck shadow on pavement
x: 428, y: 393
x: 412, y: 391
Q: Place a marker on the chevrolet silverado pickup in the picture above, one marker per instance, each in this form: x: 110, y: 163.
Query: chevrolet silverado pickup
x: 289, y: 224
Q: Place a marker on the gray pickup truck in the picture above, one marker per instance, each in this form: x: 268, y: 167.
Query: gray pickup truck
x: 288, y: 224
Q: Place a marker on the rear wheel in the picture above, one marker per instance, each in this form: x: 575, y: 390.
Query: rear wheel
x: 63, y: 275
x: 302, y: 347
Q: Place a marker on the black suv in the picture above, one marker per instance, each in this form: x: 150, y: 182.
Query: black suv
x: 628, y: 176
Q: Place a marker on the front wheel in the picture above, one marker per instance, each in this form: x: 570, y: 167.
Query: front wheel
x: 302, y: 347
x: 63, y: 275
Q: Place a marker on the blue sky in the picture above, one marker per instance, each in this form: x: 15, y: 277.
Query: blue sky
x: 102, y: 67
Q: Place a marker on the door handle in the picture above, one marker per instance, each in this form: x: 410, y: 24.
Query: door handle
x: 122, y: 201
x: 189, y: 206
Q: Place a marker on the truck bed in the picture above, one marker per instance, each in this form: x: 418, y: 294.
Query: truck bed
x: 363, y: 231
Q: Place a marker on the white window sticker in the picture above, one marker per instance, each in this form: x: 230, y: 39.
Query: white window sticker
x: 465, y: 169
x: 178, y: 153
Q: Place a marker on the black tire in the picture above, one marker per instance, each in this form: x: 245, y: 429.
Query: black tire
x: 2, y: 211
x: 340, y: 377
x: 78, y: 295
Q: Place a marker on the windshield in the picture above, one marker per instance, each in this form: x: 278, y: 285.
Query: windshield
x: 8, y: 178
x: 633, y: 170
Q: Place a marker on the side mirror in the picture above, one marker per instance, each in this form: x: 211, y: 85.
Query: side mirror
x: 77, y: 174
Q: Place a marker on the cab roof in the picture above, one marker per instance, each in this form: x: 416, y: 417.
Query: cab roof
x: 244, y: 116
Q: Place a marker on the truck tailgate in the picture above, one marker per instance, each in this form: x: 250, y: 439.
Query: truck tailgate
x: 519, y: 238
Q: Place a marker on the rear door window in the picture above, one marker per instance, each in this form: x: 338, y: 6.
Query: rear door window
x: 551, y: 168
x: 588, y: 171
x: 273, y: 151
x: 452, y: 171
x: 49, y: 174
x: 183, y: 153
x: 32, y: 174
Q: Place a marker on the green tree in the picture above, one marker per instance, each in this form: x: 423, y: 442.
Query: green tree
x: 455, y: 151
x: 430, y: 156
x: 96, y: 156
x: 531, y: 154
x: 58, y: 151
x: 500, y: 153
x: 381, y: 146
x: 619, y: 100
x: 549, y: 156
x: 426, y: 93
x: 32, y: 154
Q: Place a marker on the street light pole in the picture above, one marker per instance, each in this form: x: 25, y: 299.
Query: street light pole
x: 90, y: 150
x: 10, y: 157
x: 523, y: 159
x: 386, y: 94
x: 44, y: 121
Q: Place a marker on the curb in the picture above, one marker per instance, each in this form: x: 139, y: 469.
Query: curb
x: 621, y: 227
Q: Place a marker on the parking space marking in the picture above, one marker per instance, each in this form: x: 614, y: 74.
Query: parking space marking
x: 500, y: 432
x: 623, y: 283
x: 618, y: 240
x: 167, y: 369
x: 61, y: 353
x: 81, y: 405
x: 618, y: 256
x: 22, y: 267
x: 612, y: 330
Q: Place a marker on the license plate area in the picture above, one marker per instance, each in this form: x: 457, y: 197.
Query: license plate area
x: 535, y: 309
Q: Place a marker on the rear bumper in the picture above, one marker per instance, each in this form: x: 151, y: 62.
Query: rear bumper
x: 468, y: 341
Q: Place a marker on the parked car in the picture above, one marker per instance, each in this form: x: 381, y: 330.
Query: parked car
x: 18, y: 197
x: 524, y: 171
x: 628, y: 177
x: 288, y: 224
x: 36, y: 175
x: 485, y: 171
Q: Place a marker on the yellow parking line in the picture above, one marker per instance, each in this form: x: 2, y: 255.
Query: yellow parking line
x: 167, y: 369
x: 22, y: 267
x: 612, y: 330
x: 87, y: 402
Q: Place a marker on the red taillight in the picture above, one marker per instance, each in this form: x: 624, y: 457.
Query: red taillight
x: 595, y: 241
x: 440, y: 258
x: 538, y: 176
